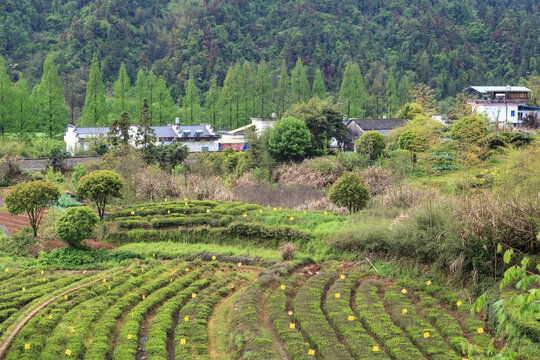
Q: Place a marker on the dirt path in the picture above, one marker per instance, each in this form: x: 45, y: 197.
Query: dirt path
x: 218, y: 348
x: 5, y: 346
x: 264, y: 320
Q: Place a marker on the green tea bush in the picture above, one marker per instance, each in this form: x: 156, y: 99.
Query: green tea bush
x: 361, y: 237
x: 69, y: 258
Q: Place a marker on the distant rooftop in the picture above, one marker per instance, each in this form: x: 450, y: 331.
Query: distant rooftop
x: 379, y: 124
x: 502, y: 89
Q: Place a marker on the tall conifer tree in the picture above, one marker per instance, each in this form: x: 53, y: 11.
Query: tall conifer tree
x: 151, y: 82
x: 140, y: 93
x: 52, y: 109
x: 146, y: 135
x: 299, y: 83
x: 191, y: 107
x: 24, y: 111
x: 121, y: 99
x: 165, y: 109
x: 6, y: 99
x: 247, y: 90
x: 352, y: 91
x: 226, y: 99
x: 392, y: 100
x: 264, y: 90
x: 283, y: 91
x: 95, y: 111
x: 211, y: 104
x: 318, y: 86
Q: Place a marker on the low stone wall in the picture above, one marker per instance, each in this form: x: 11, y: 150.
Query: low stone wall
x: 40, y: 164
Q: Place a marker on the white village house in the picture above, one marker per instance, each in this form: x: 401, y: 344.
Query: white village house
x: 196, y: 137
x: 502, y: 105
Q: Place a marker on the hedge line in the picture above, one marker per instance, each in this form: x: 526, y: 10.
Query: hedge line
x: 256, y: 234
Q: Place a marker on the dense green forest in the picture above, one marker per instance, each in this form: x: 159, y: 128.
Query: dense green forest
x: 445, y: 44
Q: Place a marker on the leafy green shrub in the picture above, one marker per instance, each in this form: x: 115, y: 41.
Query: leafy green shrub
x: 78, y: 173
x: 75, y: 225
x: 66, y: 201
x: 350, y: 160
x: 69, y: 258
x: 469, y: 129
x: 18, y: 243
x: 100, y: 186
x: 350, y: 192
x: 290, y: 139
x: 371, y: 144
x: 361, y: 237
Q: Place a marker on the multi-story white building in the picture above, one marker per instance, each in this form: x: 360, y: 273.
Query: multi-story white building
x: 196, y: 137
x: 502, y: 105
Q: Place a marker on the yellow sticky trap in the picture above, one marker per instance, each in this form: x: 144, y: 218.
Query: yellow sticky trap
x: 214, y: 257
x: 245, y: 215
x: 459, y: 303
x: 185, y: 199
x: 282, y: 287
x: 104, y: 280
x: 342, y: 277
x: 208, y: 211
x: 50, y: 316
x: 84, y: 272
x: 133, y: 213
x: 129, y: 337
x: 275, y: 209
x: 7, y: 270
x: 351, y: 318
x: 23, y: 289
x: 326, y: 213
x: 305, y: 212
x: 165, y: 199
x: 404, y: 311
x: 338, y: 295
x: 26, y: 346
x: 109, y: 287
x: 426, y: 335
x: 186, y: 204
x: 186, y: 319
x: 260, y: 211
x: 375, y: 348
x: 142, y: 269
x: 311, y: 352
x: 65, y: 297
x: 169, y: 212
x: 171, y: 279
x: 68, y: 352
x: 72, y: 330
x: 290, y: 313
x: 404, y: 291
x: 480, y: 330
x: 239, y: 264
x: 182, y: 341
x: 193, y: 296
x: 144, y: 297
x: 132, y: 315
x: 154, y: 254
x: 187, y: 269
x: 428, y: 282
x: 44, y: 279
x: 42, y: 272
x: 292, y: 325
x: 291, y: 218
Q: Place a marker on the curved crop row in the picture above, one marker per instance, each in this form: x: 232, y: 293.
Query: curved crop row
x: 310, y: 317
x: 129, y: 334
x: 250, y: 339
x: 444, y: 323
x: 73, y: 329
x: 341, y: 316
x: 294, y: 342
x: 371, y: 312
x: 419, y: 331
x: 163, y: 322
x: 32, y: 338
x: 101, y: 343
x: 192, y: 326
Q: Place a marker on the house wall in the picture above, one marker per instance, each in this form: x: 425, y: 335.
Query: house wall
x: 498, y: 113
x: 71, y: 139
x: 197, y: 146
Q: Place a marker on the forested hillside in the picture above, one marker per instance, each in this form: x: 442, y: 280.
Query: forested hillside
x: 445, y: 44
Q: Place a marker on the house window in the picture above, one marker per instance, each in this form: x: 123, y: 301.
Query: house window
x: 205, y: 148
x: 513, y: 113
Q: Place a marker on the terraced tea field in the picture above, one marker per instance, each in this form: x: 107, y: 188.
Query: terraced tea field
x: 179, y: 309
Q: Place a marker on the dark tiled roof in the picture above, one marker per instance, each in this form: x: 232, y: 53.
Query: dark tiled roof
x: 379, y: 124
x: 164, y: 132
